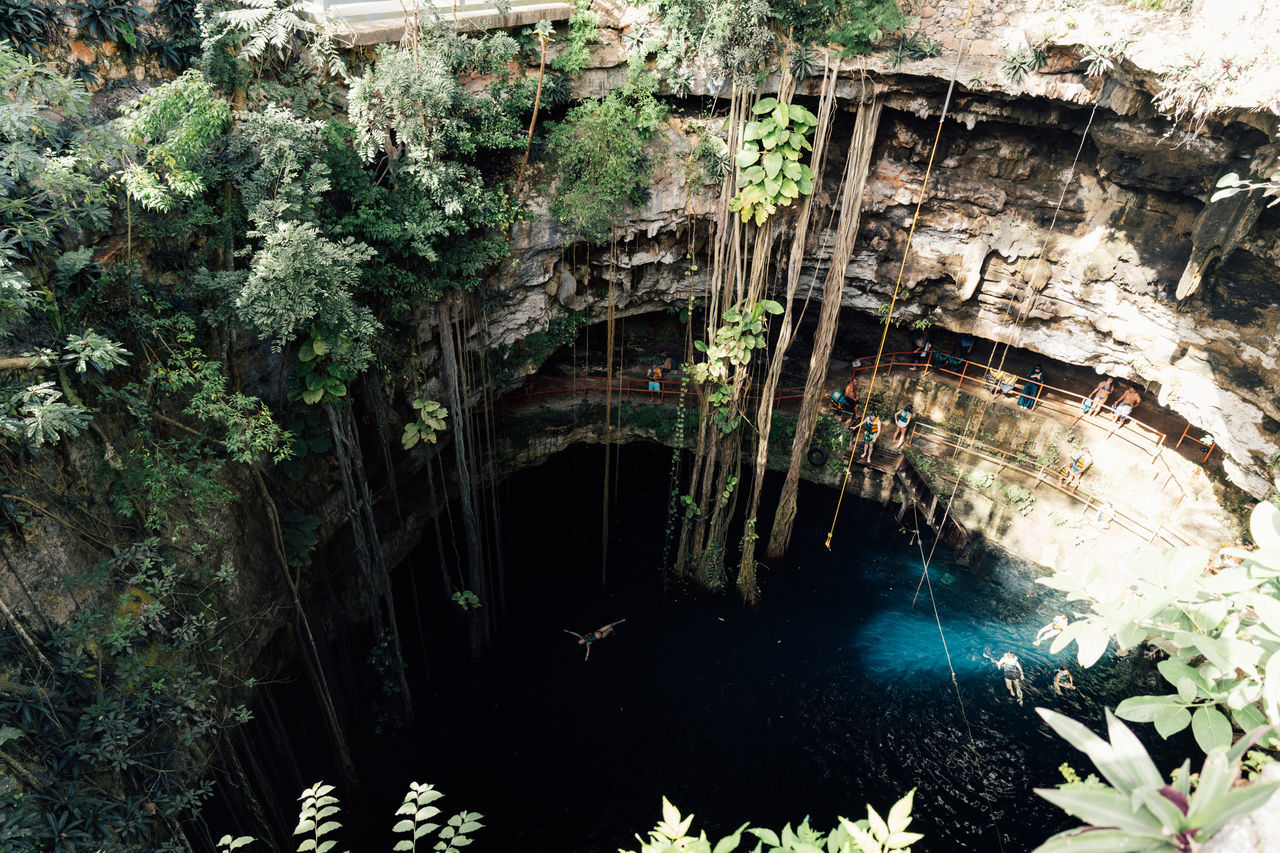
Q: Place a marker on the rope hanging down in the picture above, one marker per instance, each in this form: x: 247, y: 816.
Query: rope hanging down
x: 906, y: 252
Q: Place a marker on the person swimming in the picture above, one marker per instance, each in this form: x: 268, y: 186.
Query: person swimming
x: 1013, y: 674
x: 1053, y: 629
x: 597, y: 634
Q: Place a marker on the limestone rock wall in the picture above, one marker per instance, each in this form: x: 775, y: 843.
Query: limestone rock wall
x: 1054, y: 226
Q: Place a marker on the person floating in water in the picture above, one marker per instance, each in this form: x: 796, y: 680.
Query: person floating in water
x: 1053, y: 629
x: 597, y: 634
x: 1013, y: 674
x: 1062, y: 680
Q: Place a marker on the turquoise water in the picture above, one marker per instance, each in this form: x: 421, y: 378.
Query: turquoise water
x: 838, y: 691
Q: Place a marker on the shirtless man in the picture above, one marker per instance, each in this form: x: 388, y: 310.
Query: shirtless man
x: 1128, y: 401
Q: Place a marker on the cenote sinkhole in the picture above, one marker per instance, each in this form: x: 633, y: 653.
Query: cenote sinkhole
x: 836, y: 692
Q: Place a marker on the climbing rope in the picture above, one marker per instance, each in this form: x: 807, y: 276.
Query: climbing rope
x: 906, y: 252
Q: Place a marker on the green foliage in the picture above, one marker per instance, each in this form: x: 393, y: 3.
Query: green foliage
x: 1021, y: 498
x: 1222, y: 630
x: 172, y: 127
x: 598, y: 155
x: 730, y: 38
x: 1139, y: 810
x: 258, y: 29
x: 1231, y: 183
x: 28, y: 25
x: 302, y: 281
x: 914, y: 47
x: 430, y: 422
x: 411, y: 108
x: 583, y: 31
x: 1015, y: 65
x: 770, y: 172
x: 50, y: 158
x: 856, y: 25
x: 115, y: 733
x: 98, y: 21
x: 874, y: 834
x: 466, y: 600
x: 244, y: 424
x: 742, y: 332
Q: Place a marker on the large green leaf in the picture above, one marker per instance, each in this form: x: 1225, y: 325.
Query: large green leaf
x: 1144, y: 709
x: 1131, y: 756
x: 782, y: 115
x: 791, y: 169
x: 1264, y: 525
x: 772, y: 165
x: 764, y: 105
x: 1090, y: 840
x: 747, y: 156
x: 1211, y: 728
x: 1103, y: 807
x: 1236, y: 802
x: 1171, y: 721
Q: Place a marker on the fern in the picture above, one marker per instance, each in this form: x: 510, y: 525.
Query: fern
x: 262, y: 27
x: 313, y: 822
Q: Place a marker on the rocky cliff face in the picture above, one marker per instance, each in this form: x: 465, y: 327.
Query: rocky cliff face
x: 1060, y: 222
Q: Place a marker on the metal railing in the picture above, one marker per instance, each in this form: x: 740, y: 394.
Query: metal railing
x: 364, y: 11
x: 1053, y: 477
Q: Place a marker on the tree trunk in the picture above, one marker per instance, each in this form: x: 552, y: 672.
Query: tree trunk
x: 477, y: 578
x: 855, y: 178
x: 764, y: 413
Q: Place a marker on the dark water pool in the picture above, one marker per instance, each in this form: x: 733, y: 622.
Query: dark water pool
x: 836, y: 692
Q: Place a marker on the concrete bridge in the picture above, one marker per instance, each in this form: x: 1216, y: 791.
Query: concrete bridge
x: 377, y: 21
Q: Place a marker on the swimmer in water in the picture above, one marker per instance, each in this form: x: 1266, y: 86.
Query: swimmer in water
x: 597, y: 634
x: 1013, y: 674
x: 1053, y: 629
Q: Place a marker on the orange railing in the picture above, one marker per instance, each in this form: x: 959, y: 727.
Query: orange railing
x: 969, y: 376
x: 1052, y: 477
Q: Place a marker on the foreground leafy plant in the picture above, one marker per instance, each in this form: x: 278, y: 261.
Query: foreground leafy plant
x: 873, y: 834
x: 1139, y: 810
x: 1222, y: 631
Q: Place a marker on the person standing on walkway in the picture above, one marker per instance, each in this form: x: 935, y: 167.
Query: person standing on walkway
x: 870, y: 431
x: 655, y: 383
x: 1031, y: 389
x: 901, y: 421
x: 1128, y: 401
x: 1094, y: 403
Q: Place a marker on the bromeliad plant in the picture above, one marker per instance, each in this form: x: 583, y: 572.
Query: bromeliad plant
x: 1139, y: 810
x: 770, y: 172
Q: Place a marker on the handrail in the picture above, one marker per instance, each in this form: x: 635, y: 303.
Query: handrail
x: 1038, y: 471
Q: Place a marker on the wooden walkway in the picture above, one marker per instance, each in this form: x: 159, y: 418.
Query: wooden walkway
x: 915, y: 491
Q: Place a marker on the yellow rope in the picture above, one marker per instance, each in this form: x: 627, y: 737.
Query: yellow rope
x: 906, y: 252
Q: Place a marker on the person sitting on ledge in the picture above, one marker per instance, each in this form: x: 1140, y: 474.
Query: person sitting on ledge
x: 1071, y: 474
